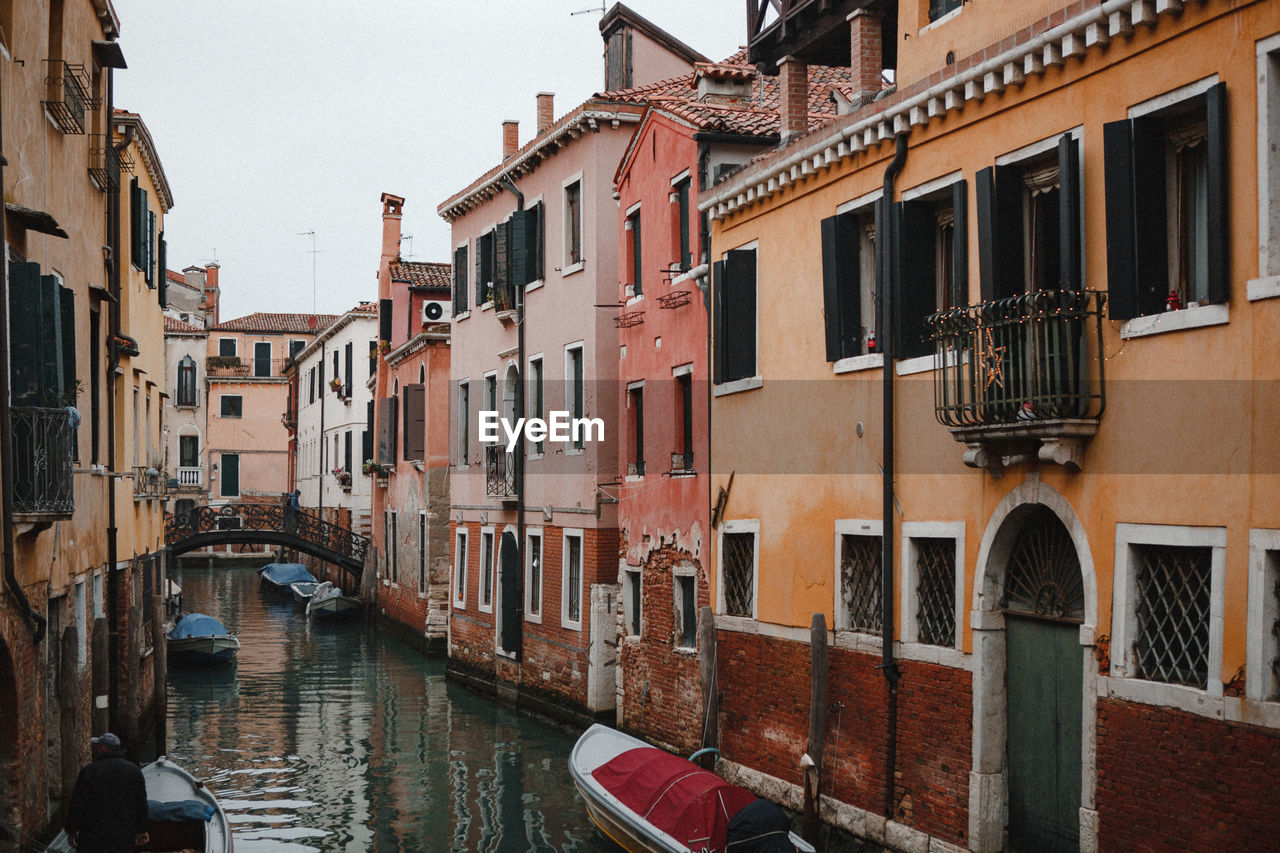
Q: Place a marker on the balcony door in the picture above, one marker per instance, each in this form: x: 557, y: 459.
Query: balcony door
x: 262, y: 358
x: 188, y: 451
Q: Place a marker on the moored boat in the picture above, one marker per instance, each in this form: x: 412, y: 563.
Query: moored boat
x: 199, y: 638
x: 302, y: 591
x: 650, y: 801
x: 328, y: 602
x: 280, y: 577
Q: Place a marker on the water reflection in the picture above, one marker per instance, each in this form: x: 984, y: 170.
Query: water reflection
x: 337, y: 737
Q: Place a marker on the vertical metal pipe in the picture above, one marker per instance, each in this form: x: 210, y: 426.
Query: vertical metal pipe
x: 113, y: 361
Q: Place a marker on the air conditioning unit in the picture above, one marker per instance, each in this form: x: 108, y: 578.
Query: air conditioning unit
x: 435, y: 311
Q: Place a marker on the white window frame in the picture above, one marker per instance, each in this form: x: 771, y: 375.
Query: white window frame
x: 567, y: 534
x: 1124, y: 682
x: 910, y: 647
x: 253, y: 356
x: 240, y: 397
x: 683, y: 569
x: 738, y: 525
x: 535, y: 449
x: 529, y: 535
x: 628, y: 600
x: 1267, y: 284
x: 1261, y: 648
x: 82, y: 627
x: 846, y: 637
x: 568, y: 268
x: 235, y: 344
x: 460, y: 450
x: 99, y: 603
x: 423, y: 534
x: 460, y: 557
x: 490, y: 531
x: 538, y: 282
x: 580, y: 346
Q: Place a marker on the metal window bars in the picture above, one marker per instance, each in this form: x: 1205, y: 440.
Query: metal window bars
x: 499, y: 472
x: 1173, y: 614
x: 106, y: 162
x: 69, y: 94
x: 860, y: 583
x: 936, y: 591
x: 43, y: 455
x: 739, y: 570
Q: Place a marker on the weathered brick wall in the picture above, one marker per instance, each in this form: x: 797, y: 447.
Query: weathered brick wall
x: 765, y: 725
x: 1218, y: 777
x: 22, y: 757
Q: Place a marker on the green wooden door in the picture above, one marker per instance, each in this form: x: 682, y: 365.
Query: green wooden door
x: 1045, y: 673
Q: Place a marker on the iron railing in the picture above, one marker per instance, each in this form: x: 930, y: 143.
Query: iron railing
x: 104, y: 162
x: 246, y: 367
x: 1026, y: 358
x: 147, y: 482
x: 69, y: 95
x: 499, y: 472
x: 43, y: 455
x: 271, y: 518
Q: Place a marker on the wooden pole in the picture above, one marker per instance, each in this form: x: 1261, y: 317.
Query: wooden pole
x: 101, y: 650
x: 817, y: 727
x: 710, y: 692
x: 68, y: 696
x: 160, y: 672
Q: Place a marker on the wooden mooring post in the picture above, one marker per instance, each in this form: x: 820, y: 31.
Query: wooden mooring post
x: 817, y: 727
x: 710, y: 690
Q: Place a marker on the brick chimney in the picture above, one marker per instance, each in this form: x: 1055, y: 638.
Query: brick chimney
x: 546, y: 111
x: 392, y: 211
x: 211, y: 294
x: 795, y: 97
x: 866, y: 48
x: 510, y: 138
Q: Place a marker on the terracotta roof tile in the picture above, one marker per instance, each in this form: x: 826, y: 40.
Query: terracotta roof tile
x: 173, y: 324
x: 175, y: 276
x: 421, y: 274
x: 263, y: 322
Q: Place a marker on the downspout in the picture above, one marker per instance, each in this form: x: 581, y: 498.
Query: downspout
x: 113, y: 362
x: 324, y: 443
x: 6, y: 443
x: 509, y: 185
x: 888, y: 282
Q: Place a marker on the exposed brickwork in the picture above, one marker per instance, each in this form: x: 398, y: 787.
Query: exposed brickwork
x: 510, y: 138
x: 866, y: 52
x: 1221, y: 777
x: 546, y: 111
x: 795, y: 98
x: 765, y: 725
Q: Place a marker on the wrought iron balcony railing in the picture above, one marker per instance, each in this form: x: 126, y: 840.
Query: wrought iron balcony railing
x: 224, y: 366
x: 148, y: 482
x: 43, y: 454
x: 104, y: 162
x: 69, y: 94
x: 499, y: 472
x: 1026, y: 358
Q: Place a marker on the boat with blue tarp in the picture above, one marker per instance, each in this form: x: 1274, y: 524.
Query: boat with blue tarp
x: 199, y: 638
x: 280, y: 577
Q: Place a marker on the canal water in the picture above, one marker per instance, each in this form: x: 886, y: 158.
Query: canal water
x: 340, y: 737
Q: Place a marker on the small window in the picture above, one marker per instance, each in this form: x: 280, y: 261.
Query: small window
x: 188, y: 451
x: 738, y: 569
x: 533, y: 576
x: 572, y: 579
x: 486, y: 570
x: 464, y: 424
x: 573, y: 223
x: 684, y: 245
x: 393, y: 545
x: 631, y: 601
x: 1172, y: 641
x: 849, y: 282
x: 187, y: 381
x: 938, y: 8
x: 682, y: 458
x: 460, y: 262
x: 231, y: 405
x: 859, y: 606
x: 485, y: 257
x: 459, y: 568
x: 635, y: 405
x: 574, y: 392
x: 935, y: 592
x: 227, y: 347
x: 686, y: 611
x: 635, y: 253
x: 297, y: 346
x: 536, y: 408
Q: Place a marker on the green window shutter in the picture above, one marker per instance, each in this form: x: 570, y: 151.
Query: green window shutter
x: 960, y: 244
x: 720, y: 345
x: 918, y: 284
x: 986, y: 191
x: 230, y: 486
x: 1219, y: 232
x: 67, y: 316
x: 1150, y: 215
x: 740, y: 301
x: 135, y: 225
x: 536, y: 240
x: 518, y: 248
x: 51, y: 347
x: 25, y: 370
x: 1069, y: 212
x: 460, y: 280
x: 1122, y: 283
x: 151, y: 253
x: 162, y: 265
x: 841, y: 302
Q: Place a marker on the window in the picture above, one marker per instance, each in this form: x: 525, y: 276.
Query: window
x: 682, y: 458
x: 486, y: 569
x: 631, y: 604
x: 858, y: 562
x: 935, y: 269
x: 491, y: 392
x: 459, y: 570
x: 1262, y: 655
x: 533, y: 576
x: 393, y: 545
x: 635, y: 405
x: 337, y: 372
x: 227, y: 347
x: 459, y: 283
x: 262, y: 358
x: 571, y: 583
x: 230, y: 471
x: 189, y: 451
x: 686, y: 607
x: 684, y: 245
x: 735, y: 316
x: 634, y: 252
x: 464, y: 423
x: 43, y: 362
x: 95, y: 384
x: 1166, y: 188
x: 415, y: 422
x: 1268, y: 169
x: 485, y: 257
x: 311, y: 384
x: 295, y: 347
x: 187, y: 381
x: 573, y: 393
x: 99, y: 607
x: 573, y: 223
x: 348, y: 352
x: 346, y: 451
x: 536, y: 408
x: 373, y: 357
x: 849, y: 281
x: 388, y: 429
x: 737, y: 586
x: 932, y: 587
x: 231, y: 405
x: 938, y: 8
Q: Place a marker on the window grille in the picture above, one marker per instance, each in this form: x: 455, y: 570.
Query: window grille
x: 739, y: 571
x: 574, y: 547
x: 1173, y: 614
x: 860, y: 583
x: 936, y: 591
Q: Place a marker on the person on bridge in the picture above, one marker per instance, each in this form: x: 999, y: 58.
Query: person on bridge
x: 292, y: 511
x: 108, y: 810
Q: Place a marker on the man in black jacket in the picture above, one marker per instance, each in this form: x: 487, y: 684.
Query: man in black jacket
x: 108, y: 811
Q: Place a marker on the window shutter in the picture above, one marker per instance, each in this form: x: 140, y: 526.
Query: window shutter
x: 1150, y: 216
x: 918, y: 285
x: 1069, y: 212
x: 136, y: 250
x: 67, y: 306
x: 347, y: 380
x: 1219, y: 233
x: 366, y: 438
x: 51, y: 348
x: 1122, y: 282
x: 536, y: 240
x: 230, y: 475
x: 720, y: 345
x: 840, y: 293
x: 151, y: 247
x: 1010, y: 278
x: 740, y: 296
x: 387, y: 431
x: 162, y: 265
x: 483, y: 271
x: 25, y: 371
x: 502, y: 263
x: 986, y: 190
x: 384, y: 320
x: 960, y: 244
x: 459, y: 279
x: 415, y: 422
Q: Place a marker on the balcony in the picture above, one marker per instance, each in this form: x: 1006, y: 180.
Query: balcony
x: 69, y: 95
x: 499, y: 473
x: 190, y: 477
x: 147, y: 482
x: 106, y: 163
x: 43, y: 452
x: 234, y: 367
x: 1021, y: 379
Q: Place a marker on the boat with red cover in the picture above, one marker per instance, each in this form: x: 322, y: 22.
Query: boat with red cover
x: 650, y: 801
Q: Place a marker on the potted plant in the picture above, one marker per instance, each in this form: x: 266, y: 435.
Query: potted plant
x: 376, y: 469
x: 343, y: 476
x: 336, y: 384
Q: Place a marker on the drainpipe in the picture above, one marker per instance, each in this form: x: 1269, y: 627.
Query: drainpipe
x: 888, y: 275
x: 113, y: 362
x: 509, y: 185
x: 324, y: 444
x: 6, y: 447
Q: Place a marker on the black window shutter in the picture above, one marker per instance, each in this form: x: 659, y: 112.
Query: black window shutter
x: 366, y: 440
x: 1219, y: 233
x: 518, y: 247
x: 502, y: 255
x: 918, y: 286
x: 346, y: 452
x: 1150, y: 216
x: 135, y: 224
x: 839, y: 265
x: 51, y: 350
x: 1069, y: 212
x: 151, y: 247
x: 1010, y: 277
x: 347, y: 365
x: 163, y: 268
x: 1122, y: 282
x: 25, y: 371
x: 536, y: 239
x: 740, y: 287
x: 484, y: 270
x: 460, y: 279
x: 986, y: 191
x: 387, y: 431
x: 67, y: 312
x: 720, y: 345
x: 884, y: 240
x: 384, y: 319
x: 960, y: 244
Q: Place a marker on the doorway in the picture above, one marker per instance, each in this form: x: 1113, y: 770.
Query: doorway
x: 510, y: 610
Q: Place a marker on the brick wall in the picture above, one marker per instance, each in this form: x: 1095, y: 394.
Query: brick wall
x: 765, y: 726
x: 1219, y: 776
x: 795, y: 98
x: 866, y: 49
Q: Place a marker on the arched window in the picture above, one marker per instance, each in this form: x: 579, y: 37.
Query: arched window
x: 422, y: 374
x: 187, y: 381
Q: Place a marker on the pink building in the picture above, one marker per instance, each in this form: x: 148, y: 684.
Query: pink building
x: 697, y: 126
x: 408, y: 456
x: 535, y: 538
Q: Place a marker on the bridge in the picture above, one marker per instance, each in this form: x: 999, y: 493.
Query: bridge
x: 266, y: 524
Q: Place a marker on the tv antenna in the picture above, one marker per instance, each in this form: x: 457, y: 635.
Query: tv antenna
x: 408, y: 237
x: 314, y: 252
x: 585, y: 11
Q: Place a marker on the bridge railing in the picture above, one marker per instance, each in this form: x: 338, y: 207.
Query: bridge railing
x: 270, y: 517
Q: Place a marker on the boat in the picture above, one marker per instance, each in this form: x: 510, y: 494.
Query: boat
x: 302, y: 591
x: 650, y: 801
x: 328, y: 602
x: 172, y: 597
x: 184, y: 814
x: 198, y: 638
x: 280, y: 577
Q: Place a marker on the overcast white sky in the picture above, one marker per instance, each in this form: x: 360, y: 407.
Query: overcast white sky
x: 274, y: 117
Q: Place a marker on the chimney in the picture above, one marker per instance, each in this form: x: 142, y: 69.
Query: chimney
x: 211, y: 294
x: 866, y: 53
x: 795, y: 97
x: 546, y: 111
x: 392, y: 208
x: 510, y: 138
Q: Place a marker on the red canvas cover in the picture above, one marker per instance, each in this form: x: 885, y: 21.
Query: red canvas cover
x: 692, y: 805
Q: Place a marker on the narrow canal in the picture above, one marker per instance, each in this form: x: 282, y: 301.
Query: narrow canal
x: 340, y: 737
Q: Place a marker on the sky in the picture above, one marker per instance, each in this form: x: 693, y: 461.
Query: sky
x: 275, y: 118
